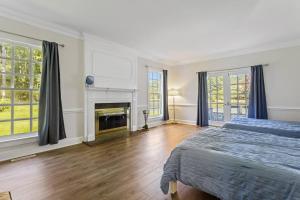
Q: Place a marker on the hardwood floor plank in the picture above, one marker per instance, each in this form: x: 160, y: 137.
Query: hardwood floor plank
x: 126, y: 168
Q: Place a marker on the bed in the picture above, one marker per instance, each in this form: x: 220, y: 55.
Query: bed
x: 236, y: 164
x: 282, y: 128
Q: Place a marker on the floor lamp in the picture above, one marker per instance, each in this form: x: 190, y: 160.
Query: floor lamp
x: 173, y: 93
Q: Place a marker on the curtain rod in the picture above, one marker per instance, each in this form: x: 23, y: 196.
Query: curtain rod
x: 28, y: 37
x: 219, y: 70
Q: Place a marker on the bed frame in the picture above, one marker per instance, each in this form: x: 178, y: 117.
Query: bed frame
x: 173, y: 187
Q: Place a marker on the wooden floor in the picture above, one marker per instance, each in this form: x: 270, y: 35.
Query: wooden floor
x: 123, y: 169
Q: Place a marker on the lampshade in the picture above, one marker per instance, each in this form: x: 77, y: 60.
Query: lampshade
x: 173, y: 92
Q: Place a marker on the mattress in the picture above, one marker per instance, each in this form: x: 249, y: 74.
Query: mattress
x: 282, y: 128
x: 237, y: 164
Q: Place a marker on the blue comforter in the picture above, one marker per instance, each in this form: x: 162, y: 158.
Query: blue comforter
x: 282, y: 128
x: 235, y: 165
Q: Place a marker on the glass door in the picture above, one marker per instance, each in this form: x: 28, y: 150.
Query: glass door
x: 217, y: 98
x: 239, y: 93
x: 228, y: 94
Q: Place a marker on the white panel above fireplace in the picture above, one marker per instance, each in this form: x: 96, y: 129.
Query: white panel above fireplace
x: 112, y: 70
x: 112, y: 65
x: 106, y: 65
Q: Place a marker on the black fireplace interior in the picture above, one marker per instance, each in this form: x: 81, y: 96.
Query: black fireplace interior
x: 111, y: 116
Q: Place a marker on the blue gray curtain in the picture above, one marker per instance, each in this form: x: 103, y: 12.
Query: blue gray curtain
x: 165, y: 96
x: 202, y: 109
x: 257, y: 99
x: 51, y: 123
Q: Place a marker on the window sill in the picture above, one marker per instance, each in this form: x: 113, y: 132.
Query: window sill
x: 18, y: 138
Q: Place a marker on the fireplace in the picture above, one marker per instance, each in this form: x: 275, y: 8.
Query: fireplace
x: 112, y: 120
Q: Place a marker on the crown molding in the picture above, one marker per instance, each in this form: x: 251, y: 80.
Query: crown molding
x: 136, y: 52
x: 27, y: 19
x: 241, y: 52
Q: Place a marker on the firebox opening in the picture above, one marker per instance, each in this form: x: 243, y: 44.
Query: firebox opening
x: 112, y: 119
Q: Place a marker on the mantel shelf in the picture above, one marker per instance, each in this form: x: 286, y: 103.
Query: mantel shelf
x: 110, y: 89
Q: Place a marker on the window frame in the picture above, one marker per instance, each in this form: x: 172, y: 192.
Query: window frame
x: 160, y: 116
x: 12, y: 89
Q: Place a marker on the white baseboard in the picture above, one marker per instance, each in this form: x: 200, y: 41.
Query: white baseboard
x: 12, y: 152
x: 188, y: 122
x: 152, y: 124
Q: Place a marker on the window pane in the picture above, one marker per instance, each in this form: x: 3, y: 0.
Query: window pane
x: 242, y: 79
x: 233, y: 79
x: 22, y: 67
x: 220, y: 112
x: 213, y: 98
x: 35, y: 96
x: 5, y: 50
x: 234, y: 109
x: 37, y: 55
x: 22, y: 97
x: 5, y: 97
x: 5, y: 80
x: 37, y: 68
x: 22, y: 82
x: 5, y: 113
x: 21, y: 112
x: 21, y: 126
x: 37, y: 82
x: 243, y: 110
x: 35, y: 111
x: 213, y: 112
x: 5, y: 65
x: 21, y: 52
x: 35, y: 124
x: 5, y: 128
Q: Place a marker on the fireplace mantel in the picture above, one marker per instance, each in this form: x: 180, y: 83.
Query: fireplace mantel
x: 110, y: 89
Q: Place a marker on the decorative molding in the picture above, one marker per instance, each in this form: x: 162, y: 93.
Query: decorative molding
x: 270, y: 107
x: 284, y: 108
x: 73, y: 110
x: 56, y: 28
x: 111, y: 89
x: 12, y: 152
x: 138, y: 53
x: 116, y: 56
x: 187, y: 122
x: 241, y: 52
x: 182, y: 105
x: 33, y: 21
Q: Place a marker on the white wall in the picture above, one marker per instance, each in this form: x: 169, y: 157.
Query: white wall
x: 281, y: 82
x: 71, y: 66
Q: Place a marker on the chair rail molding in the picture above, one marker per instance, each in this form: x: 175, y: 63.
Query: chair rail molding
x: 284, y: 108
x: 72, y: 110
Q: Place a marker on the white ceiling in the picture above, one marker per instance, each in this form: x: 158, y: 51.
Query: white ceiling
x: 174, y: 30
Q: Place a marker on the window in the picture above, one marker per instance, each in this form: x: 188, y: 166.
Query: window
x: 20, y: 78
x: 155, y: 93
x: 228, y: 94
